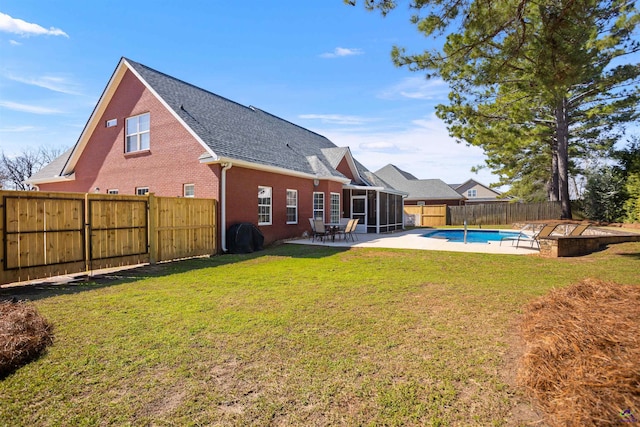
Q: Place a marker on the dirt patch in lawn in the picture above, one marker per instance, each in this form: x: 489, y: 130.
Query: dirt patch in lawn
x: 581, y: 362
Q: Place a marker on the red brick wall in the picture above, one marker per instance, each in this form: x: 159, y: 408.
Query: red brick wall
x: 171, y: 161
x: 242, y: 201
x: 344, y: 169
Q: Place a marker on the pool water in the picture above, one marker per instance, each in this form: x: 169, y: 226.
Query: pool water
x: 473, y: 236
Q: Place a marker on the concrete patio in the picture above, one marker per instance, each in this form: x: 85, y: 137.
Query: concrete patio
x: 412, y: 239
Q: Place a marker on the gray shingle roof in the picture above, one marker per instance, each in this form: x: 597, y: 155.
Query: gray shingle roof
x: 432, y: 189
x: 244, y: 133
x: 54, y: 168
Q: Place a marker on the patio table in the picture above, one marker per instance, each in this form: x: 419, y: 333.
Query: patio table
x: 333, y: 229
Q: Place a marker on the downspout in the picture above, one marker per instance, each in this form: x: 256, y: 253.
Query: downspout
x: 223, y: 205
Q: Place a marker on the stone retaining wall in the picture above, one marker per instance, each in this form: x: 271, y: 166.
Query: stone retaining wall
x: 561, y: 246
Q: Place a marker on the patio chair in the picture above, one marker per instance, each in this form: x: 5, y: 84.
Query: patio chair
x: 535, y: 238
x: 578, y: 230
x: 349, y: 231
x: 521, y: 232
x: 319, y: 230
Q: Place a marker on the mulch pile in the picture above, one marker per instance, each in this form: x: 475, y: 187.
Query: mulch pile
x: 24, y: 334
x: 582, y: 357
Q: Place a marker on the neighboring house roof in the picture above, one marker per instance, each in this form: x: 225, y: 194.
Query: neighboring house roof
x: 228, y: 131
x: 472, y: 183
x: 421, y: 189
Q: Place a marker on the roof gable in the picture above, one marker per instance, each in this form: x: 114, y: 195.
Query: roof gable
x: 225, y: 129
x: 433, y: 189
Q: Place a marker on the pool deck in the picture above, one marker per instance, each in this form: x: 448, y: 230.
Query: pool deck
x: 412, y: 239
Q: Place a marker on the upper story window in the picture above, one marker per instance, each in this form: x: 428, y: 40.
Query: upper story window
x: 264, y: 205
x: 189, y: 190
x: 137, y: 138
x: 112, y: 191
x: 472, y: 193
x: 142, y: 191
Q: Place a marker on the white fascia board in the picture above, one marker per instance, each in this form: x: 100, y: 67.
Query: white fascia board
x: 385, y: 190
x: 98, y: 110
x: 272, y: 169
x: 57, y: 178
x: 171, y: 110
x: 101, y: 106
x: 352, y: 165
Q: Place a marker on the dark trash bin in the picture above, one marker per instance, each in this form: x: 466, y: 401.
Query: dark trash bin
x: 244, y: 238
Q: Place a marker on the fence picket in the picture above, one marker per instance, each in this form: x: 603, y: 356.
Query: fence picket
x: 48, y: 234
x: 504, y: 213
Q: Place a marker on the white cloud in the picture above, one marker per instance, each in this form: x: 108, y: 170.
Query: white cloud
x: 337, y: 119
x: 34, y: 109
x: 56, y: 84
x: 342, y: 51
x: 14, y: 43
x: 378, y: 146
x: 423, y: 148
x: 417, y: 88
x: 17, y: 129
x: 18, y: 26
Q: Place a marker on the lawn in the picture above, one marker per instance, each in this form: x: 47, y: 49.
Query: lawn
x: 294, y: 335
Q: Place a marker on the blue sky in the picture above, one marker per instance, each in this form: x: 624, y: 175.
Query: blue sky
x: 317, y: 63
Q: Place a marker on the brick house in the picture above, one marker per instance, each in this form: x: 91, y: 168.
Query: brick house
x: 153, y: 133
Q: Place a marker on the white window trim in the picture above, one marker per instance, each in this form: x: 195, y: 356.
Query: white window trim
x: 314, y: 205
x: 112, y: 191
x: 331, y: 212
x: 270, y: 205
x: 292, y: 206
x: 142, y: 188
x: 472, y: 193
x: 137, y: 134
x: 184, y: 190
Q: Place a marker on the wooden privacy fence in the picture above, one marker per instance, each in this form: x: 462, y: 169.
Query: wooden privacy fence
x: 49, y: 234
x: 427, y: 215
x: 504, y: 213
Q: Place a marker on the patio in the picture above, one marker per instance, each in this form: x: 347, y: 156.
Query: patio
x: 412, y: 239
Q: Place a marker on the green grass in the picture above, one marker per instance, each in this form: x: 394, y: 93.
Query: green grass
x: 293, y: 335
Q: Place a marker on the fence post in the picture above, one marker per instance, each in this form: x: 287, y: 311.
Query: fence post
x: 152, y: 218
x: 87, y: 235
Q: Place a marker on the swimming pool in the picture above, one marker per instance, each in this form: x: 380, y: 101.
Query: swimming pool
x: 473, y: 236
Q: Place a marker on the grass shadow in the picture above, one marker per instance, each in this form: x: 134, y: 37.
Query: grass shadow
x: 63, y: 285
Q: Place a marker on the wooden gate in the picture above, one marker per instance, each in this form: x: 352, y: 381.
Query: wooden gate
x: 428, y: 216
x: 52, y: 234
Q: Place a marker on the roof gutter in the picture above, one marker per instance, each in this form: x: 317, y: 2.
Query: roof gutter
x: 223, y: 205
x: 273, y: 169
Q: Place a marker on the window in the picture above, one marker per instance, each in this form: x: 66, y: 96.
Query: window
x: 334, y: 209
x: 112, y: 191
x: 264, y: 205
x: 318, y: 206
x: 292, y: 206
x: 112, y: 123
x: 142, y: 191
x: 472, y: 193
x: 189, y: 190
x: 137, y: 133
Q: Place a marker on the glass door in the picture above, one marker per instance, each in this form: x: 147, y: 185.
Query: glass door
x: 359, y: 211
